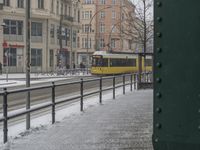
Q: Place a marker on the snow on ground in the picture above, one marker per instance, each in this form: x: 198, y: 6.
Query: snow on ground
x: 12, y: 83
x: 44, y: 122
x: 19, y: 79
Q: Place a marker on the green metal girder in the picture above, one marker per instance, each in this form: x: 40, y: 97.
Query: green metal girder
x: 176, y: 75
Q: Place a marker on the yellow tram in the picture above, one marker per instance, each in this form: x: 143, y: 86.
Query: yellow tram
x: 104, y: 63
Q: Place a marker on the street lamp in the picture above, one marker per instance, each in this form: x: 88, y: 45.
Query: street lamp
x: 88, y: 33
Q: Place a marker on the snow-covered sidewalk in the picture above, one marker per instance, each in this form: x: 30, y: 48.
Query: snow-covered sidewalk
x: 123, y: 123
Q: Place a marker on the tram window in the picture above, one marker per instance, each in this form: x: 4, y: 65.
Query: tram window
x: 98, y: 62
x: 131, y: 62
x: 104, y: 62
x: 148, y: 62
x: 122, y: 62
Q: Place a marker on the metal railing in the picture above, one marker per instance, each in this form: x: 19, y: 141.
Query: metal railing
x: 132, y: 80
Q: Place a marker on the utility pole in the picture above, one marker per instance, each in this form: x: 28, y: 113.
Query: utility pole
x: 27, y: 13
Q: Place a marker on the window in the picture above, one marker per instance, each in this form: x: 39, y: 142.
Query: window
x: 66, y: 9
x: 78, y: 42
x: 102, y: 14
x: 113, y: 14
x: 57, y: 8
x: 86, y: 28
x: 75, y: 17
x: 99, y: 62
x: 102, y: 27
x: 13, y: 27
x: 102, y: 43
x: 61, y: 9
x: 20, y: 3
x: 87, y: 14
x: 36, y: 57
x: 113, y: 28
x: 88, y: 2
x: 36, y: 29
x: 113, y: 43
x: 86, y: 44
x: 10, y: 56
x: 6, y: 2
x: 78, y: 16
x: 74, y: 39
x: 41, y: 4
x: 52, y: 6
x: 102, y: 1
x: 115, y: 62
x: 114, y: 2
x: 51, y: 58
x: 69, y: 11
x: 52, y: 31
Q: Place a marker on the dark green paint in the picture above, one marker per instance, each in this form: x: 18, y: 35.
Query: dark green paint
x: 177, y: 80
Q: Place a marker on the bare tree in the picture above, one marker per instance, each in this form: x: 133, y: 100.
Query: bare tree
x: 139, y: 25
x: 139, y: 28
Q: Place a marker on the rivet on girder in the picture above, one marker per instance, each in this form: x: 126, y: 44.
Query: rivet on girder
x: 158, y: 64
x: 159, y: 50
x: 158, y: 34
x: 158, y: 110
x: 159, y: 4
x: 199, y: 127
x: 156, y: 140
x: 158, y: 80
x: 159, y: 19
x: 159, y: 95
x: 199, y: 111
x: 158, y: 126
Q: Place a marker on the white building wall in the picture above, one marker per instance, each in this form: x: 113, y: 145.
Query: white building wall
x: 46, y: 17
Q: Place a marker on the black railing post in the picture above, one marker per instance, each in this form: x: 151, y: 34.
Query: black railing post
x: 113, y: 87
x: 53, y: 103
x: 146, y: 77
x: 131, y: 82
x: 81, y: 90
x: 100, y: 90
x: 124, y: 84
x: 5, y: 115
x: 135, y: 81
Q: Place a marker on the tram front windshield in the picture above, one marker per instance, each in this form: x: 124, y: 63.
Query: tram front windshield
x: 98, y: 61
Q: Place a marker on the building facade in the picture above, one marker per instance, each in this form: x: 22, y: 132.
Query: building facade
x: 103, y: 22
x: 54, y: 28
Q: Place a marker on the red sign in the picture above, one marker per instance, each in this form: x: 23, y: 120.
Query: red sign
x: 16, y: 46
x: 5, y: 45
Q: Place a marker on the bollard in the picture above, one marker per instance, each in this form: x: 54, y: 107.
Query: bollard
x: 135, y: 78
x: 131, y: 82
x: 53, y: 103
x: 114, y: 87
x: 5, y: 115
x: 81, y: 92
x: 100, y: 90
x: 124, y: 84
